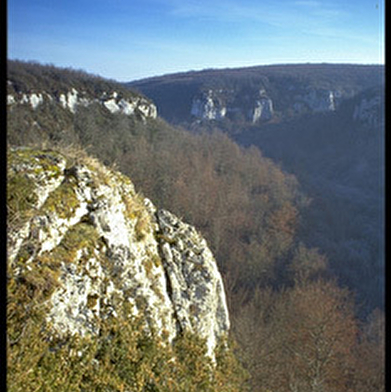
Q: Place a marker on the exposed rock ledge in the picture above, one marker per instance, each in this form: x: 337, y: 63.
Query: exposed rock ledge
x: 73, y: 98
x: 111, y: 245
x: 218, y: 104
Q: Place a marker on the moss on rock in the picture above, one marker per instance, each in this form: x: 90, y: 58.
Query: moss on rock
x: 82, y: 236
x: 88, y: 306
x: 63, y: 201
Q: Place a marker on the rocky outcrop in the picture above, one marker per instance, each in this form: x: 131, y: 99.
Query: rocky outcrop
x: 208, y: 106
x: 262, y: 111
x: 72, y: 99
x: 257, y: 106
x: 109, y: 246
x: 257, y: 94
x: 220, y: 103
x: 196, y: 288
x: 317, y: 100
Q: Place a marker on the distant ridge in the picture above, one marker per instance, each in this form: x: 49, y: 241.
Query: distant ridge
x: 303, y: 67
x: 236, y: 94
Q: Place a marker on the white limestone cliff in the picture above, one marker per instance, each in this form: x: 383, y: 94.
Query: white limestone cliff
x: 208, y: 107
x: 73, y: 98
x: 220, y: 103
x: 257, y: 106
x: 123, y: 250
x: 262, y: 111
x: 320, y: 100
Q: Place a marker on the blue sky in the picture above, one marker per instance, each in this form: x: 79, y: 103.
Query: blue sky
x: 132, y: 39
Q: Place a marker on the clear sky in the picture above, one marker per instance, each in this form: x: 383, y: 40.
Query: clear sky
x: 131, y: 39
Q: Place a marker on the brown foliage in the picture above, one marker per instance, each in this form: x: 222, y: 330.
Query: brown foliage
x: 306, y: 339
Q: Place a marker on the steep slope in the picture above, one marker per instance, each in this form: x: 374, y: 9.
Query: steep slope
x: 339, y: 160
x: 256, y: 94
x: 88, y: 251
x: 243, y: 204
x: 246, y: 207
x: 45, y: 101
x: 32, y: 84
x: 323, y: 123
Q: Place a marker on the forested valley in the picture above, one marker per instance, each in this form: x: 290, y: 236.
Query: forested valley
x: 324, y: 123
x: 296, y: 327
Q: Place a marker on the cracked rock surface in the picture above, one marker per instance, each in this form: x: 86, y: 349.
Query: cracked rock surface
x: 109, y: 246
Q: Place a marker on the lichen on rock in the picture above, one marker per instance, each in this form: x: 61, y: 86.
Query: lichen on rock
x: 196, y: 286
x: 109, y: 248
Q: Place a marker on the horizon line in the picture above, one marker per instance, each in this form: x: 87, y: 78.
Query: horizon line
x: 206, y: 69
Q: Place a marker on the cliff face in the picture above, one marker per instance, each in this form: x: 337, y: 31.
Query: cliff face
x: 317, y: 100
x: 106, y: 246
x: 257, y: 94
x: 257, y: 106
x: 70, y: 100
x: 218, y: 104
x: 30, y: 85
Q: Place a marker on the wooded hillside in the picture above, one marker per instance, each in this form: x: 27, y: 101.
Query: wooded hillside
x: 296, y: 328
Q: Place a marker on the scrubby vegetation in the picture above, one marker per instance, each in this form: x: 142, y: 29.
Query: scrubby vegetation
x: 296, y: 329
x: 26, y: 77
x: 122, y: 358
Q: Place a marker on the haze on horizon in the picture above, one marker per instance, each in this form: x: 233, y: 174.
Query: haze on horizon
x: 128, y: 40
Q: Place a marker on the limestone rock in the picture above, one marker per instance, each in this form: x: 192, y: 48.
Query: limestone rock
x: 73, y: 98
x: 111, y: 246
x: 195, y: 285
x: 317, y: 100
x: 262, y: 111
x: 220, y: 103
x: 208, y: 107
